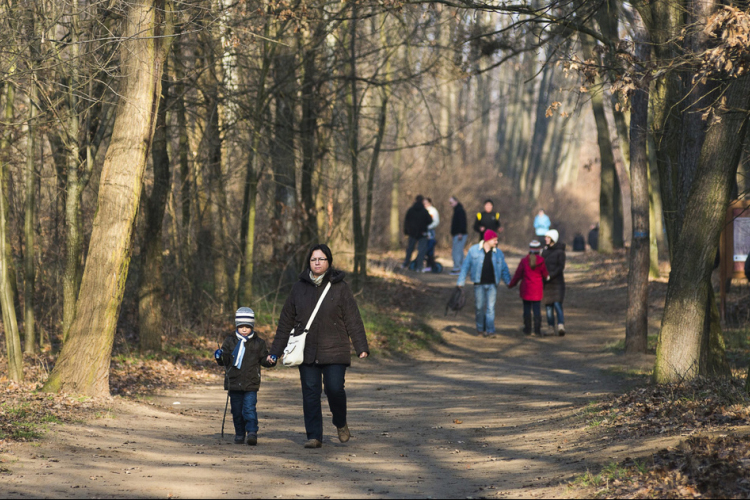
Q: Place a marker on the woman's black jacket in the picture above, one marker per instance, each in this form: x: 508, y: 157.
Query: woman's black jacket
x: 338, y: 321
x: 554, y: 258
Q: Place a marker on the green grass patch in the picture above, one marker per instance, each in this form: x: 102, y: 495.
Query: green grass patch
x: 396, y: 331
x: 611, y: 472
x: 619, y: 346
x: 23, y: 422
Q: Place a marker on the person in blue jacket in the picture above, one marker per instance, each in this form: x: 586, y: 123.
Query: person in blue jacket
x: 541, y: 223
x: 485, y: 265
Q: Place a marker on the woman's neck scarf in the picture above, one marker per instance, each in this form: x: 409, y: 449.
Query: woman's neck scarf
x: 239, y: 350
x: 319, y: 280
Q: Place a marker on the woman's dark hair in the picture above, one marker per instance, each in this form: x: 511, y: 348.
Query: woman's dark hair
x: 323, y: 248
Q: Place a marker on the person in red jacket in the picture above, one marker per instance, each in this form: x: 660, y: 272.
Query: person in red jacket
x: 532, y: 273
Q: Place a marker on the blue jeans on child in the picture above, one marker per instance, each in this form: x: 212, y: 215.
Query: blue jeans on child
x: 244, y: 414
x: 551, y: 309
x: 485, y: 297
x: 313, y: 377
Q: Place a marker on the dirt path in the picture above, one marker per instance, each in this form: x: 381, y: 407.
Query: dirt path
x: 473, y: 417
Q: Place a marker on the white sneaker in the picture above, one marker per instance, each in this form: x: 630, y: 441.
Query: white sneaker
x: 561, y: 330
x: 427, y: 270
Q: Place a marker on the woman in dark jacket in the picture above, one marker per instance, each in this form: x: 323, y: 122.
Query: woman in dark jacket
x: 327, y: 347
x: 554, y: 288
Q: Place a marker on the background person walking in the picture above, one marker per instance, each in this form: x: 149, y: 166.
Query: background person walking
x: 531, y: 273
x: 485, y: 264
x: 327, y: 348
x: 415, y: 227
x: 489, y: 219
x: 554, y: 288
x: 459, y: 234
x: 431, y: 239
x: 541, y: 223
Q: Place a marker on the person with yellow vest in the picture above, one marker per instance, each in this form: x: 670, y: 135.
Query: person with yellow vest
x: 489, y: 219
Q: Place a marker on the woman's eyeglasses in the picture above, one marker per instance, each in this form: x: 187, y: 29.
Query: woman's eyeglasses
x: 320, y: 259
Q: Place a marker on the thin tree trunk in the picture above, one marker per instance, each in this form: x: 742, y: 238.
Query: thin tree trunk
x: 28, y: 228
x: 7, y: 293
x: 151, y: 288
x: 636, y: 324
x: 83, y: 364
x: 353, y: 146
x: 678, y: 354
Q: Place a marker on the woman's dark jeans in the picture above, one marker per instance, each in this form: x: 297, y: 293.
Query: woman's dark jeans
x: 313, y: 377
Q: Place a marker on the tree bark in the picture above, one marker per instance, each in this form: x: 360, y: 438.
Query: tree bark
x: 7, y: 292
x: 608, y: 172
x: 679, y: 351
x: 150, y: 287
x: 636, y: 324
x: 28, y: 228
x: 83, y: 364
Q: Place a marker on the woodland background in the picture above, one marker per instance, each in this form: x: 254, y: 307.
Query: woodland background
x: 212, y: 142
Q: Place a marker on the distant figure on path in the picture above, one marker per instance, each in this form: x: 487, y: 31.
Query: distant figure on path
x: 485, y: 264
x: 554, y: 288
x: 531, y: 273
x: 327, y: 347
x: 242, y: 354
x: 541, y: 223
x: 579, y: 243
x: 489, y: 219
x: 431, y: 240
x: 594, y: 237
x: 415, y: 227
x: 459, y: 234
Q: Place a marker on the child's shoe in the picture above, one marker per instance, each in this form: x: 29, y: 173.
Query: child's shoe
x: 252, y: 439
x: 239, y: 439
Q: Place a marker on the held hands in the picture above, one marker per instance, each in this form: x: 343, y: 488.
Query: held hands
x: 271, y: 360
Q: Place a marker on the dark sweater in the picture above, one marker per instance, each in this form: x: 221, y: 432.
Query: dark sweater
x: 416, y: 221
x: 458, y: 222
x: 487, y: 221
x: 247, y: 378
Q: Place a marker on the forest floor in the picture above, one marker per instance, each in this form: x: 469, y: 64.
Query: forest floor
x: 468, y: 417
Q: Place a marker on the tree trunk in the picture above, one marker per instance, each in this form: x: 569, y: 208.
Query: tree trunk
x: 678, y: 354
x: 83, y: 364
x: 28, y: 228
x: 308, y: 132
x: 353, y: 146
x: 7, y: 293
x: 150, y: 287
x: 636, y: 325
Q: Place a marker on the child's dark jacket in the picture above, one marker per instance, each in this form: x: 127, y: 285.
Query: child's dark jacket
x: 247, y: 378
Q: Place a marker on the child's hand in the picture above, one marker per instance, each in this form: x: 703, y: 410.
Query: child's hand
x: 218, y: 353
x: 271, y: 359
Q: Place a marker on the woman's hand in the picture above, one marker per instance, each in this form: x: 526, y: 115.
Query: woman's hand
x: 363, y: 355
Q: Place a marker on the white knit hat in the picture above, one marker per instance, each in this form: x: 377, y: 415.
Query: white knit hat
x: 244, y: 316
x: 553, y: 234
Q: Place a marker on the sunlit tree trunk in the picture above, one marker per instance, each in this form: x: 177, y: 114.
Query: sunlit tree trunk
x: 28, y: 227
x: 83, y: 364
x: 7, y: 292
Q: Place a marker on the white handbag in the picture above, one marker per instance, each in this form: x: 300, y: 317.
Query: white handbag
x: 294, y: 352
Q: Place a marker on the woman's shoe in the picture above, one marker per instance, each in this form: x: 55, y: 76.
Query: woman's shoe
x: 313, y: 443
x: 344, y: 433
x: 561, y: 330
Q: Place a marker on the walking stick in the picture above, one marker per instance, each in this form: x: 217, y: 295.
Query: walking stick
x: 225, y: 416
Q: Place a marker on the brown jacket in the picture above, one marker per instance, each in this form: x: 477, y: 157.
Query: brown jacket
x: 338, y: 320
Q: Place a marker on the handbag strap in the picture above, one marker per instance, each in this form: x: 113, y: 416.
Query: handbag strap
x: 317, y: 306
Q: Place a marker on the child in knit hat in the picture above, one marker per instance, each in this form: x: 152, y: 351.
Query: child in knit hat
x: 531, y: 272
x: 241, y: 355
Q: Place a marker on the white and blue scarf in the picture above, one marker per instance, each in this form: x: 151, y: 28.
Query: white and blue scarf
x: 239, y: 350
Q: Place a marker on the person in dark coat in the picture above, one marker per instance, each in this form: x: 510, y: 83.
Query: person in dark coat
x: 594, y: 237
x: 242, y: 355
x: 327, y: 347
x: 415, y: 227
x: 531, y: 272
x: 554, y: 288
x: 459, y: 234
x: 489, y: 219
